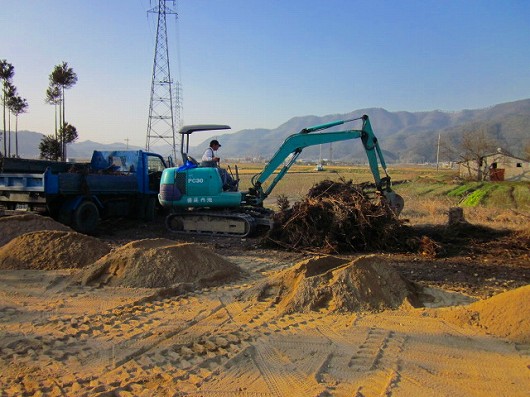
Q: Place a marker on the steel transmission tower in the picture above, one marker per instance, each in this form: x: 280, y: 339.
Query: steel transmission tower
x: 164, y: 106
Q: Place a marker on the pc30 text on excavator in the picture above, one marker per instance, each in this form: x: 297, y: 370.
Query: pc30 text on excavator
x: 201, y: 204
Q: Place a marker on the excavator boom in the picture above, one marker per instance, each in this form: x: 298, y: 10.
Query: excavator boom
x: 294, y: 144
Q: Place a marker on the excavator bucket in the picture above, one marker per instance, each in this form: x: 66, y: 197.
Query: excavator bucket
x: 396, y: 202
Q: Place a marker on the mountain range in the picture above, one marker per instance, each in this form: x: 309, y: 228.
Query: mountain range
x: 405, y: 137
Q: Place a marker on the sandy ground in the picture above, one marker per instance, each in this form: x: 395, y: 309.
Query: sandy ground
x: 59, y: 337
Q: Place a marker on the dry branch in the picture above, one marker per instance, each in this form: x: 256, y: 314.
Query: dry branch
x: 337, y: 217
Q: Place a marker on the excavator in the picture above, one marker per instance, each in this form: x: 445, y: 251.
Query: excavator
x: 201, y: 204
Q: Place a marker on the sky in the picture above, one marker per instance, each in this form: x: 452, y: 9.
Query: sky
x: 259, y: 63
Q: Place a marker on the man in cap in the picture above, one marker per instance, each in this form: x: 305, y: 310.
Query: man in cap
x: 209, y: 159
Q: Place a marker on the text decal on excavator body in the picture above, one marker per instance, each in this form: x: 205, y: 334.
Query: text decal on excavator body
x: 199, y: 200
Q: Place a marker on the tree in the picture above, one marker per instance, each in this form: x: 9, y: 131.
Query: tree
x: 527, y: 151
x: 67, y: 134
x: 7, y: 71
x: 63, y: 77
x: 17, y: 105
x: 50, y: 148
x: 53, y: 97
x: 9, y: 92
x: 470, y: 147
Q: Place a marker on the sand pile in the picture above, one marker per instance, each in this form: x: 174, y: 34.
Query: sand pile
x: 367, y: 283
x: 506, y: 315
x: 159, y: 263
x: 336, y: 217
x: 50, y: 250
x: 13, y: 226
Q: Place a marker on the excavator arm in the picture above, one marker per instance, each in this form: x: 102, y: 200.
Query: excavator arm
x: 294, y: 144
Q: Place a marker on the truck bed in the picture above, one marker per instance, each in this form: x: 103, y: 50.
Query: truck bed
x: 96, y: 184
x: 69, y: 183
x: 28, y: 166
x: 22, y: 182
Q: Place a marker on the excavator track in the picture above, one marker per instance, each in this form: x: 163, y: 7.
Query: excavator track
x: 232, y: 224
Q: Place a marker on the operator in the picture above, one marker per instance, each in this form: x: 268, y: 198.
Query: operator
x: 209, y: 159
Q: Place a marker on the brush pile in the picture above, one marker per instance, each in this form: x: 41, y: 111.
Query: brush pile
x: 337, y: 217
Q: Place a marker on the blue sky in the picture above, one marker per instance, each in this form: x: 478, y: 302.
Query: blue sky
x: 258, y: 63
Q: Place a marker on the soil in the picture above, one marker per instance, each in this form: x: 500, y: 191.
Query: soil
x: 14, y: 226
x: 337, y: 285
x: 159, y: 263
x: 51, y: 249
x: 155, y: 314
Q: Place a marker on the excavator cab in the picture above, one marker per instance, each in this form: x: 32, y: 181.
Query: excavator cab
x: 187, y: 130
x: 198, y: 198
x: 193, y: 185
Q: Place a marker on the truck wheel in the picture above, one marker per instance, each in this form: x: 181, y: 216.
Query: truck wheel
x: 85, y: 218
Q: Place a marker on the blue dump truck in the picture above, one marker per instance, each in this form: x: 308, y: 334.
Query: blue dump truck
x: 113, y: 184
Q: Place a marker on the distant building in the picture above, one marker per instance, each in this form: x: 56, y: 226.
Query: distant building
x: 499, y: 166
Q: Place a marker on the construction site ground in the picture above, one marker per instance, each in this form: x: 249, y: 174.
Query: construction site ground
x: 64, y: 334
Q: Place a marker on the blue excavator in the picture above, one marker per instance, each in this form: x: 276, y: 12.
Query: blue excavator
x: 201, y: 203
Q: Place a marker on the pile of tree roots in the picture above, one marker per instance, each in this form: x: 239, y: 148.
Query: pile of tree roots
x: 336, y: 217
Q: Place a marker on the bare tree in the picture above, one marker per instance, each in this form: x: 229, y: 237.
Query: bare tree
x: 471, y: 146
x: 527, y: 151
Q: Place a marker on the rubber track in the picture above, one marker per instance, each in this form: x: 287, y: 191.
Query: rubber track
x: 249, y: 221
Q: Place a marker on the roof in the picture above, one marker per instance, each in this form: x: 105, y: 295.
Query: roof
x: 505, y: 155
x: 188, y: 129
x: 500, y: 152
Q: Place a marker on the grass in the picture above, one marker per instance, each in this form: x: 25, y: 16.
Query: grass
x: 501, y: 196
x: 464, y: 189
x: 477, y: 196
x: 521, y: 194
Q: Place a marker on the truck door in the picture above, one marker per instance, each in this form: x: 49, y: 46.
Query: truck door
x: 155, y: 166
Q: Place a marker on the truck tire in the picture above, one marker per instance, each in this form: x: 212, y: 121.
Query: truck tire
x: 85, y: 217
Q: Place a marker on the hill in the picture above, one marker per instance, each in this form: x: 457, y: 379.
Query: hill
x: 404, y: 136
x: 28, y: 143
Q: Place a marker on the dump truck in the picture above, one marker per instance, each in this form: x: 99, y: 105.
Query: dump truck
x: 112, y: 184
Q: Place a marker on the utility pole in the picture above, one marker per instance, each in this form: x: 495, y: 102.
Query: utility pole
x: 438, y: 153
x: 164, y: 106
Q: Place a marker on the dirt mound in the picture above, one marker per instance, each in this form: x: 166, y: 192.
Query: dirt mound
x: 159, y: 263
x: 50, y: 250
x: 13, y: 226
x: 505, y: 315
x: 336, y: 217
x: 367, y: 283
